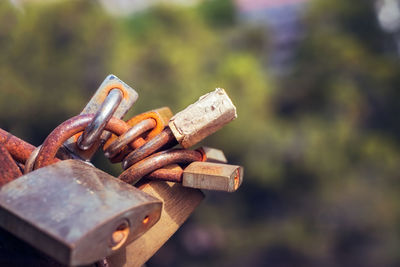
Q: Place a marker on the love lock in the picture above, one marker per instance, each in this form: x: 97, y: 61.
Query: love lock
x: 75, y: 213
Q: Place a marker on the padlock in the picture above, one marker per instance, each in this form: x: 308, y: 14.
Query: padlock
x: 202, y: 175
x: 111, y: 83
x: 188, y: 127
x: 75, y: 213
x: 213, y: 176
x: 178, y: 203
x: 199, y: 120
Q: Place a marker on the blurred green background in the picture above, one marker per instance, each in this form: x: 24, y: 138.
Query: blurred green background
x: 319, y: 141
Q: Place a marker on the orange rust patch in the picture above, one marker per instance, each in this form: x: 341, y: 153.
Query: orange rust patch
x: 237, y: 179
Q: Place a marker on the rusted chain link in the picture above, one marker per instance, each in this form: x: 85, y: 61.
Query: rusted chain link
x: 69, y: 128
x: 160, y: 116
x: 169, y: 173
x: 165, y: 138
x: 133, y: 133
x: 9, y: 170
x: 161, y: 159
x: 18, y: 148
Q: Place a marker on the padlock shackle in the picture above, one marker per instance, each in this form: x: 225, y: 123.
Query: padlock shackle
x: 92, y: 132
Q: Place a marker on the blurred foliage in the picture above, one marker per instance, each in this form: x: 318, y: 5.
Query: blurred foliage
x: 319, y: 146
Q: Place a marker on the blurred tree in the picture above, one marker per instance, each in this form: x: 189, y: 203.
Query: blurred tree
x: 53, y: 58
x: 319, y: 146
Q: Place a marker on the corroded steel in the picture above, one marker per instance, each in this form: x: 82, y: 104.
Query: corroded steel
x: 9, y: 170
x: 137, y: 130
x: 165, y: 138
x: 75, y: 213
x: 161, y: 117
x: 173, y: 173
x: 69, y: 128
x: 18, y: 148
x: 159, y: 160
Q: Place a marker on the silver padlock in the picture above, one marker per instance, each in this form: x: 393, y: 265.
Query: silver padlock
x: 75, y: 213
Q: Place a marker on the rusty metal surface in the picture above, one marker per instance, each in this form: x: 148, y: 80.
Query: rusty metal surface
x: 18, y: 148
x: 67, y: 129
x: 169, y: 173
x: 45, y: 208
x: 161, y: 140
x: 129, y: 98
x: 9, y: 170
x: 137, y: 130
x: 157, y: 161
x: 161, y: 117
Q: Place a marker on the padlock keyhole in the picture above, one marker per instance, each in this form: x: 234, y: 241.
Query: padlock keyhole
x: 119, y: 236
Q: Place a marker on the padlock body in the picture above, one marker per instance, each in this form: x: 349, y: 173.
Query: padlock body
x: 70, y: 211
x: 206, y: 116
x: 213, y: 176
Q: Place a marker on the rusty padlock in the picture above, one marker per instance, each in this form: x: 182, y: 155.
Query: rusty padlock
x: 112, y: 98
x: 75, y: 213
